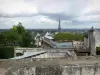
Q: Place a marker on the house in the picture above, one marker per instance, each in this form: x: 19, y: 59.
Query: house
x: 38, y: 40
x: 78, y: 44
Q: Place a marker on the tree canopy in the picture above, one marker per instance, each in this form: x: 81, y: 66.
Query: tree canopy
x: 17, y: 35
x: 12, y: 37
x: 69, y: 36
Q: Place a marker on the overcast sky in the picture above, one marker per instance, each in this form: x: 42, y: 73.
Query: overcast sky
x: 45, y: 13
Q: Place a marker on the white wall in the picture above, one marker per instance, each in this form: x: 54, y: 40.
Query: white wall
x: 97, y: 38
x: 78, y: 44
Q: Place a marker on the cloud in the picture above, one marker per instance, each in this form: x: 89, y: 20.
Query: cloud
x: 45, y: 13
x: 29, y: 7
x: 16, y: 8
x: 93, y: 18
x: 39, y: 21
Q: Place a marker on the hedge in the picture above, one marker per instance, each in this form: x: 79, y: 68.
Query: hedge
x: 6, y: 52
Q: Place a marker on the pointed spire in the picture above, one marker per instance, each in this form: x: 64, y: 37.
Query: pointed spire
x: 92, y: 29
x: 59, y: 26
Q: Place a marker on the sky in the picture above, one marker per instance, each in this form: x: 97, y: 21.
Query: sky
x: 45, y: 13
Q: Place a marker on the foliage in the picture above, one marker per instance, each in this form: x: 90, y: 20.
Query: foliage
x: 20, y: 29
x: 12, y: 37
x: 27, y: 39
x: 86, y: 35
x: 14, y: 28
x: 97, y: 48
x: 69, y: 36
x: 6, y: 52
x: 2, y: 38
x: 18, y: 35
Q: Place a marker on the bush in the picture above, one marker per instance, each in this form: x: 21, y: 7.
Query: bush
x: 6, y: 52
x: 97, y: 48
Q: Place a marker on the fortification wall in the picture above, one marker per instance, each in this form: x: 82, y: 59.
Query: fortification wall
x: 84, y: 69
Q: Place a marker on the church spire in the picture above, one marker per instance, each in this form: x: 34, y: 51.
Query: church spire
x: 92, y: 29
x: 59, y: 26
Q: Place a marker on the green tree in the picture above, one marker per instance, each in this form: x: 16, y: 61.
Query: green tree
x: 86, y: 35
x: 2, y: 39
x: 20, y: 29
x: 26, y: 39
x: 69, y: 36
x: 18, y: 35
x: 12, y: 37
x: 15, y: 28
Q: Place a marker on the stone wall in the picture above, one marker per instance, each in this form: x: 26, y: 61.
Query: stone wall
x: 83, y: 69
x: 96, y: 34
x: 92, y: 43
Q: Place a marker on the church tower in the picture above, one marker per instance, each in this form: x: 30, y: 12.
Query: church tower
x: 92, y: 42
x: 59, y: 26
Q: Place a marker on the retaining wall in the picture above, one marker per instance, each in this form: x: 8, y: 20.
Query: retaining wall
x: 83, y: 69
